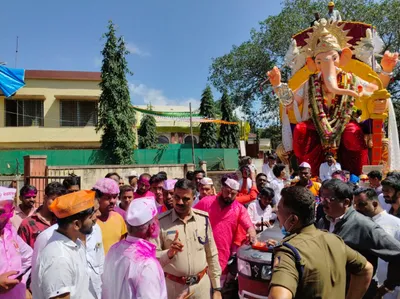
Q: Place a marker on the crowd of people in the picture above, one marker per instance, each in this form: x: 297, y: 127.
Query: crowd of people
x: 159, y: 237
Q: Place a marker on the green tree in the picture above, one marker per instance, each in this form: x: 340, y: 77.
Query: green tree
x: 228, y: 134
x: 243, y: 69
x: 208, y: 131
x: 147, y: 132
x: 116, y: 115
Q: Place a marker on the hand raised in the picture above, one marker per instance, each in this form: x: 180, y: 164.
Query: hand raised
x: 389, y: 61
x: 176, y: 246
x: 274, y: 76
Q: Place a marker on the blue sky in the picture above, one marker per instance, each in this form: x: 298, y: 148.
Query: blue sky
x: 172, y: 42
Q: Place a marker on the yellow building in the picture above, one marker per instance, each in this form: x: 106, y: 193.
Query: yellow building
x: 57, y: 109
x: 172, y: 130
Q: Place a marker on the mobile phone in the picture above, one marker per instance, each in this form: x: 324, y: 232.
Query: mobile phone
x: 19, y: 277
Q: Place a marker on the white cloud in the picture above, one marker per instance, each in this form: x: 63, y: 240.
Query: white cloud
x: 131, y: 47
x: 142, y: 93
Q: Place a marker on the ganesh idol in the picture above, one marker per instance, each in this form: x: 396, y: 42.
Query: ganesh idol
x: 336, y: 98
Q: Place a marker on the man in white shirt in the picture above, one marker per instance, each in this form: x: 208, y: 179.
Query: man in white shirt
x: 61, y: 269
x: 267, y: 167
x: 366, y: 202
x: 260, y: 210
x: 94, y: 255
x: 375, y: 178
x: 391, y: 194
x: 333, y: 14
x: 384, y: 205
x: 278, y: 183
x: 131, y: 268
x: 330, y: 166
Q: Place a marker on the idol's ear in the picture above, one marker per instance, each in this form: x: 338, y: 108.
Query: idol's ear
x: 345, y: 57
x: 311, y: 65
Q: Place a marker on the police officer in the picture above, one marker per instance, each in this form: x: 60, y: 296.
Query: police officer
x: 310, y: 263
x: 186, y: 247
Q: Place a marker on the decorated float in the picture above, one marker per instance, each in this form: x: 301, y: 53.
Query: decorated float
x: 336, y: 99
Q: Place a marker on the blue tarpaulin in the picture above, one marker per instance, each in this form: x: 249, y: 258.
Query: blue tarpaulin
x: 11, y: 80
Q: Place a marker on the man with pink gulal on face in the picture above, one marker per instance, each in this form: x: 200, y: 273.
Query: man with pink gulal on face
x: 15, y: 254
x: 143, y: 188
x: 131, y: 269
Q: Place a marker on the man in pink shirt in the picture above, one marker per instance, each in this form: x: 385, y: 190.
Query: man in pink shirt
x: 15, y: 254
x: 226, y: 214
x: 143, y: 187
x: 26, y: 208
x: 131, y: 269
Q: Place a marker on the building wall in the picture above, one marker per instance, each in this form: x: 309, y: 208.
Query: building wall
x: 51, y: 135
x: 63, y: 86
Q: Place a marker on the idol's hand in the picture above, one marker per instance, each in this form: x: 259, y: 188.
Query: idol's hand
x: 275, y: 76
x: 389, y: 61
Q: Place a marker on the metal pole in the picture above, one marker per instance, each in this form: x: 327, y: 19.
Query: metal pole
x: 191, y: 132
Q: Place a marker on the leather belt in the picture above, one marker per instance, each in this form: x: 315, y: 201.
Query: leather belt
x: 187, y: 280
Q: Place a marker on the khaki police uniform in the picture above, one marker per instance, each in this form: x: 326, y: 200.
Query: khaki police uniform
x: 199, y: 255
x: 324, y: 258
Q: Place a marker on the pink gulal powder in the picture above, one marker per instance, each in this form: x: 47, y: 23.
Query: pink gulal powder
x: 30, y: 194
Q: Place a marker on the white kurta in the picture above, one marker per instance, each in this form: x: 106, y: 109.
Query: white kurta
x: 61, y: 268
x: 268, y: 172
x: 391, y: 225
x: 325, y: 171
x: 382, y: 202
x: 131, y: 271
x: 277, y: 185
x: 256, y: 212
x: 94, y: 255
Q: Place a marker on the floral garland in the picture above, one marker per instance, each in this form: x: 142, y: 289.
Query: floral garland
x: 330, y: 122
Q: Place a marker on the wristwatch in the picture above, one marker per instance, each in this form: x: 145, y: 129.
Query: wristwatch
x: 217, y: 290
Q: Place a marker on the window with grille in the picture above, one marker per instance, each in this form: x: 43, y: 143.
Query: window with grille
x: 24, y: 113
x: 78, y: 113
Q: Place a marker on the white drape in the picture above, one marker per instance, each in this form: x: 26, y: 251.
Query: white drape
x: 394, y: 148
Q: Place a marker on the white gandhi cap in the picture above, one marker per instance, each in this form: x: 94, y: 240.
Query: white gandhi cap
x: 133, y: 173
x: 7, y: 193
x: 141, y: 211
x: 231, y: 183
x: 206, y: 181
x: 305, y: 165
